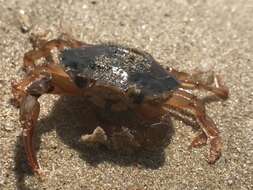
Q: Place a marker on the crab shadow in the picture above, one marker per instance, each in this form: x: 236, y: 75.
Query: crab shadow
x: 72, y: 117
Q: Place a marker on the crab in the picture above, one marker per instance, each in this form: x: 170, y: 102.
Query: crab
x: 119, y: 81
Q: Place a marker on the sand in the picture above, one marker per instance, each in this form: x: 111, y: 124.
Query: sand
x: 184, y: 34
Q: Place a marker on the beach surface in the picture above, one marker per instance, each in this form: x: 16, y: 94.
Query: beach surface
x: 184, y: 34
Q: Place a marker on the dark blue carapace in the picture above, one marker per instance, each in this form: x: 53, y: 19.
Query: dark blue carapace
x: 118, y: 66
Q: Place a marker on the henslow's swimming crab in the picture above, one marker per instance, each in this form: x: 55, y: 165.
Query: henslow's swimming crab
x: 116, y: 79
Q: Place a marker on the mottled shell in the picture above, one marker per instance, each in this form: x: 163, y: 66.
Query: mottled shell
x: 117, y: 66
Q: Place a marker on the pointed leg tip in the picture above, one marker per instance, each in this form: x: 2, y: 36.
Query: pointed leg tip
x: 199, y: 141
x: 40, y: 174
x: 214, y: 157
x: 197, y: 144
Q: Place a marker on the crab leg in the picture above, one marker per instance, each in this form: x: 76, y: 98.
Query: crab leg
x: 195, y: 81
x: 27, y: 93
x: 18, y: 90
x: 29, y: 112
x: 45, y: 51
x: 199, y: 140
x: 183, y: 101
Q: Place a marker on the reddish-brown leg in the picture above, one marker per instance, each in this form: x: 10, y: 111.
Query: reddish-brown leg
x: 29, y: 112
x: 27, y: 93
x: 201, y: 80
x: 18, y: 89
x: 45, y: 51
x: 199, y: 140
x: 183, y: 101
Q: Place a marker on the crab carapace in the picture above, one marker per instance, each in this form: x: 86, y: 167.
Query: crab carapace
x: 119, y: 78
